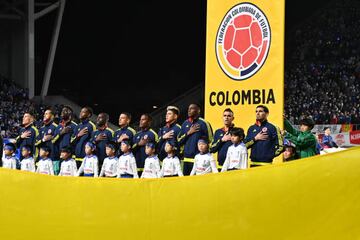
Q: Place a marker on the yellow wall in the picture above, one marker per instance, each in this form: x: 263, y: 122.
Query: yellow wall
x: 315, y: 198
x: 269, y: 77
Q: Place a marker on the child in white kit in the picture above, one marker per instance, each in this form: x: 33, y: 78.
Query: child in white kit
x: 110, y: 164
x: 68, y: 165
x: 171, y: 164
x: 152, y: 163
x: 203, y: 162
x: 45, y: 165
x: 90, y: 164
x: 28, y: 162
x: 236, y: 157
x: 9, y: 160
x: 127, y: 164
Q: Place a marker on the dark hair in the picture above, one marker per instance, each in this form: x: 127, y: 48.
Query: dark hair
x: 307, y: 122
x: 290, y: 146
x: 89, y: 109
x: 27, y: 147
x: 196, y: 104
x: 148, y: 116
x: 228, y: 110
x: 325, y: 128
x: 239, y: 132
x: 51, y: 110
x: 112, y: 144
x: 127, y: 114
x: 67, y: 149
x: 106, y: 115
x: 263, y: 107
x: 68, y: 107
x: 45, y: 148
x: 30, y: 112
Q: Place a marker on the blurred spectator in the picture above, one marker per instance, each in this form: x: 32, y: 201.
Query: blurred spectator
x: 14, y: 102
x: 323, y: 73
x: 327, y: 139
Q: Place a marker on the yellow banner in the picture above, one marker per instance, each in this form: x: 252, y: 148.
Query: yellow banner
x: 314, y: 198
x: 244, y: 60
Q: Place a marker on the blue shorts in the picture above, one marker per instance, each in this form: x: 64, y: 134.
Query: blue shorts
x: 126, y: 175
x: 88, y: 174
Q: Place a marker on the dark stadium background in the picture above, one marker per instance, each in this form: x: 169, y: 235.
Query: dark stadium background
x: 130, y: 55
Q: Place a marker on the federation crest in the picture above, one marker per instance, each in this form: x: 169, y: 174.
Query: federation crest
x: 243, y: 41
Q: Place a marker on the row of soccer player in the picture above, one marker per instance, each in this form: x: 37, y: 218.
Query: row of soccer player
x: 125, y: 166
x: 263, y: 138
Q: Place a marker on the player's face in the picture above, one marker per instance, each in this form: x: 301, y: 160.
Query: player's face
x: 193, y: 110
x: 123, y: 120
x: 203, y: 147
x: 65, y: 113
x: 170, y: 116
x: 25, y: 152
x: 288, y: 153
x: 144, y: 122
x: 109, y: 151
x: 124, y: 147
x: 101, y: 119
x: 84, y: 113
x: 235, y: 139
x: 88, y: 150
x: 47, y: 115
x: 304, y: 128
x: 149, y: 150
x: 27, y: 119
x: 168, y: 148
x: 228, y: 118
x: 261, y: 114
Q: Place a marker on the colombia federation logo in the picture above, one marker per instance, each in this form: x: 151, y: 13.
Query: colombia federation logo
x: 243, y: 41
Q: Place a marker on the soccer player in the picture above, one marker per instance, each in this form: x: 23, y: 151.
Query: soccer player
x: 170, y: 131
x: 171, y: 164
x: 236, y: 157
x: 141, y: 138
x: 101, y: 136
x: 127, y: 163
x: 204, y: 162
x: 90, y: 164
x: 125, y: 132
x: 82, y: 133
x: 110, y: 164
x: 28, y: 133
x: 45, y: 165
x: 222, y: 137
x: 9, y: 160
x: 152, y: 163
x: 191, y: 131
x: 264, y: 139
x: 63, y: 134
x: 47, y: 132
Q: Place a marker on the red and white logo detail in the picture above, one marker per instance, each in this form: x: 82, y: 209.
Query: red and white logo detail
x: 243, y: 41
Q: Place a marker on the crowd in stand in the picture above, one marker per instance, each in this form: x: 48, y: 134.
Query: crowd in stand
x: 14, y: 101
x: 322, y: 77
